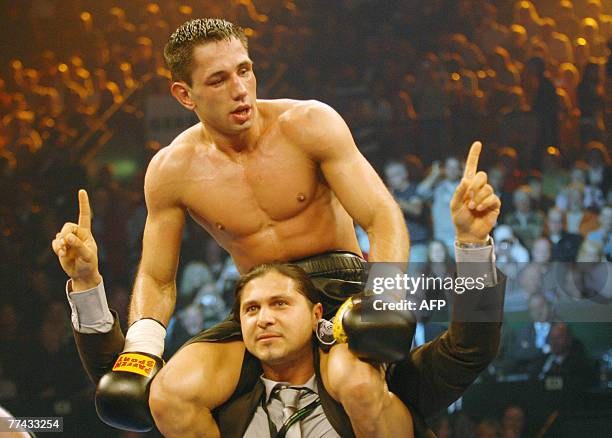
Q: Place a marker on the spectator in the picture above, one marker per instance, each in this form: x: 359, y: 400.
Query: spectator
x: 508, y: 249
x: 541, y: 251
x: 582, y: 53
x: 402, y: 184
x: 599, y: 171
x: 491, y: 33
x: 568, y: 80
x: 441, y: 195
x: 591, y: 101
x: 592, y: 195
x: 539, y: 276
x: 539, y: 200
x: 187, y: 323
x: 431, y: 102
x: 442, y: 427
x: 542, y: 96
x: 510, y: 254
x: 488, y: 428
x: 566, y: 366
x: 527, y: 224
x: 439, y: 265
x: 579, y: 219
x: 506, y: 72
x: 194, y: 276
x: 528, y: 342
x: 566, y: 19
x: 514, y: 175
x: 517, y: 125
x: 603, y: 235
x: 526, y: 15
x: 589, y: 30
x: 513, y: 422
x: 518, y: 42
x: 559, y: 45
x: 564, y: 245
x: 591, y: 276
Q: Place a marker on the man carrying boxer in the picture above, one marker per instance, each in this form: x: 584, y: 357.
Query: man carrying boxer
x: 278, y: 308
x: 270, y: 180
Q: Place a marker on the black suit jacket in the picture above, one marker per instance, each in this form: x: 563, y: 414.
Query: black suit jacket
x: 566, y: 249
x: 576, y: 370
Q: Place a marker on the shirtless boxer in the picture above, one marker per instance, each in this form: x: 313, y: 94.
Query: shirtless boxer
x: 270, y: 180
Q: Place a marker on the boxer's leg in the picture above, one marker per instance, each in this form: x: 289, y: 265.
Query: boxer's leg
x: 197, y: 379
x: 362, y: 390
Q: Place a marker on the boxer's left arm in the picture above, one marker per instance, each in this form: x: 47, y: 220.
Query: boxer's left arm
x: 355, y: 183
x: 327, y: 139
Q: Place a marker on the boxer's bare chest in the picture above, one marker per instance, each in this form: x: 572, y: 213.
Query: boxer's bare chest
x: 238, y: 197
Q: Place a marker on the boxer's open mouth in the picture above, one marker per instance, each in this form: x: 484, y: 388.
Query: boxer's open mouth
x: 242, y: 113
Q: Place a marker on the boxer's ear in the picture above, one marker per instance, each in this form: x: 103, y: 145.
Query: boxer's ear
x: 182, y: 92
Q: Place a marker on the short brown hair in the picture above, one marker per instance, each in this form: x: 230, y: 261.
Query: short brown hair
x: 178, y: 52
x: 294, y: 272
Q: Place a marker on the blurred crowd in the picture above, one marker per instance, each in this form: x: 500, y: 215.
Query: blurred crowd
x: 417, y: 81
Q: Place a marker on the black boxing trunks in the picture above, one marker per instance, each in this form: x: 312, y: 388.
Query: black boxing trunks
x: 337, y: 274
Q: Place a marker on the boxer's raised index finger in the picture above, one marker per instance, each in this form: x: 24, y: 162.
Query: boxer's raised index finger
x: 471, y: 164
x: 84, y: 210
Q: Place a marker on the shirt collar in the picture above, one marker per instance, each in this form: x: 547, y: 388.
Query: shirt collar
x: 311, y: 384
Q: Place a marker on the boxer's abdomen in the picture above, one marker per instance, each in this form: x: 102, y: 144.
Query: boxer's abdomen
x: 322, y: 226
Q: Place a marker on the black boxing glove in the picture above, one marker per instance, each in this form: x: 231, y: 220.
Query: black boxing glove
x: 122, y: 395
x: 377, y: 335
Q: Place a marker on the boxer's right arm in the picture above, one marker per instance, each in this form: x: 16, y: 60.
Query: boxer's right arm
x: 154, y: 293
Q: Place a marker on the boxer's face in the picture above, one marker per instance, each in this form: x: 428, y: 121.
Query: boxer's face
x: 223, y: 88
x: 276, y: 320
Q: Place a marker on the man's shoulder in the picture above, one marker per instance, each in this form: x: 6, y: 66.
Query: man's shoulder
x: 312, y: 126
x: 287, y: 108
x: 299, y: 117
x: 173, y: 161
x: 180, y: 150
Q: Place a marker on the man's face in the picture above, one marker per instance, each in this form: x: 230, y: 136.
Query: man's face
x: 555, y: 222
x: 224, y: 86
x: 513, y: 419
x: 541, y: 251
x: 396, y: 175
x: 277, y: 321
x: 535, y: 187
x: 452, y: 169
x: 559, y: 339
x: 538, y: 309
x: 522, y: 202
x: 605, y: 218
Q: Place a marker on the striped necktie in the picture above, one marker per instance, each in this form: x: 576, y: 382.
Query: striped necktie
x: 290, y: 398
